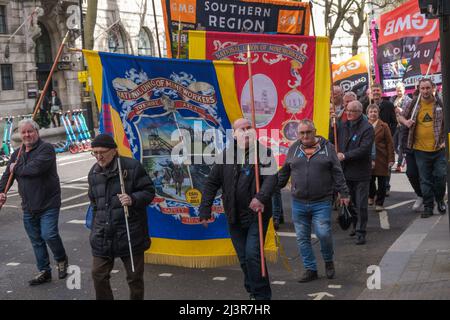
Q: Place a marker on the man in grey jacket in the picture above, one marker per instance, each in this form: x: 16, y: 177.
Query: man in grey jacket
x: 315, y: 170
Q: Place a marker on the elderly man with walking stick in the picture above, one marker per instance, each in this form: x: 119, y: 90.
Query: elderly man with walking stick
x: 119, y: 190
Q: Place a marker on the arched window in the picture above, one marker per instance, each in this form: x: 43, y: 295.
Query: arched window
x: 146, y: 46
x: 116, y: 41
x: 43, y: 52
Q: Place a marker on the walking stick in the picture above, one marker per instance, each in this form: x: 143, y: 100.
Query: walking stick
x: 332, y: 99
x: 252, y: 104
x: 125, y: 209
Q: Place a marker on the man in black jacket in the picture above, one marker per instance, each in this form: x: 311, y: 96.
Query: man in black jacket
x: 241, y: 203
x: 315, y: 170
x: 108, y: 236
x: 355, y: 141
x: 38, y: 184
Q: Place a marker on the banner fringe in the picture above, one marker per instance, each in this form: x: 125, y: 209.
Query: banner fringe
x: 200, y: 262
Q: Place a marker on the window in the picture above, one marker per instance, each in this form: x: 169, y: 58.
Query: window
x: 7, y: 77
x: 116, y: 41
x: 3, y: 19
x: 145, y: 43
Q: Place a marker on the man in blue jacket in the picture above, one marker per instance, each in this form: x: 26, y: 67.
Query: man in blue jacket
x: 355, y: 141
x: 38, y: 183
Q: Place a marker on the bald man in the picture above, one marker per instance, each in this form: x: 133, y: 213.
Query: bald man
x: 241, y: 202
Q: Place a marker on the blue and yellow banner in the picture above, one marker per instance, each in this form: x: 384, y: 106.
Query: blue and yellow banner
x: 144, y: 102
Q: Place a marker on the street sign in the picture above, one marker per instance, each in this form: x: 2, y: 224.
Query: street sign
x: 64, y: 65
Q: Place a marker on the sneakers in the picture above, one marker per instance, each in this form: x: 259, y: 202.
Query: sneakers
x: 308, y: 276
x: 379, y: 208
x: 62, y: 268
x: 40, y: 278
x: 361, y: 239
x: 427, y: 213
x: 329, y: 269
x: 418, y: 205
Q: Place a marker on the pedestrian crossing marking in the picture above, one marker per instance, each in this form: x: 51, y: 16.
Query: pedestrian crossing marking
x: 334, y: 286
x: 220, y: 278
x: 279, y: 282
x: 77, y: 221
x: 165, y: 274
x: 13, y: 264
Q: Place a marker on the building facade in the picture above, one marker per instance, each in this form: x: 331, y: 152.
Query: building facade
x: 31, y: 33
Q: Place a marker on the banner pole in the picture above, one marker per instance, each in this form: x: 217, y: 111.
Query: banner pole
x: 179, y: 37
x: 156, y: 28
x: 252, y: 104
x: 332, y: 99
x: 312, y: 18
x: 413, y: 114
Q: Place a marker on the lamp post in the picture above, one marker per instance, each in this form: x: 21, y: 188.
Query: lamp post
x: 87, y: 101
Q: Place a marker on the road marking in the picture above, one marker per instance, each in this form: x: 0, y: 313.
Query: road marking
x: 77, y: 221
x: 74, y: 187
x: 220, y: 278
x: 279, y: 282
x: 77, y: 179
x: 165, y: 275
x: 320, y: 295
x: 384, y: 220
x: 334, y: 286
x: 114, y: 271
x: 10, y: 206
x: 13, y: 264
x: 293, y: 235
x: 75, y: 206
x: 399, y: 204
x: 76, y: 161
x: 72, y: 156
x: 9, y: 291
x: 74, y: 197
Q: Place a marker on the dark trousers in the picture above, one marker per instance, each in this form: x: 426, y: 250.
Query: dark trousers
x: 359, y: 194
x: 379, y: 191
x: 412, y: 172
x: 56, y: 116
x: 101, y: 273
x: 433, y: 171
x: 398, y: 144
x: 277, y: 207
x: 246, y: 243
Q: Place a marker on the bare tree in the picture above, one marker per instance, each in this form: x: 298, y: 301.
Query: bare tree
x: 89, y: 25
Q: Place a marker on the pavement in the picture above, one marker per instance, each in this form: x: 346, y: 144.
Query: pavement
x: 417, y: 265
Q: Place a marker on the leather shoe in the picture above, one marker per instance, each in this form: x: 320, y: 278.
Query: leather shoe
x: 40, y: 278
x: 62, y: 268
x: 361, y: 239
x: 329, y: 269
x: 442, y: 208
x: 427, y: 213
x: 308, y: 276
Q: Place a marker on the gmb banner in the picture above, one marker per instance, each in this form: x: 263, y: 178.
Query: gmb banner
x: 352, y: 74
x: 291, y: 80
x: 407, y: 43
x: 274, y: 16
x: 144, y: 102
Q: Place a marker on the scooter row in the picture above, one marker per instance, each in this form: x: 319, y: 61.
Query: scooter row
x: 78, y: 140
x: 6, y: 149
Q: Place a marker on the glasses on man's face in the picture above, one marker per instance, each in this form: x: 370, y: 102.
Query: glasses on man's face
x: 100, y: 153
x: 352, y: 111
x: 304, y: 133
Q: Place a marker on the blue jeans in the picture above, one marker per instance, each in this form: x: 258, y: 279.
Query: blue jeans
x: 318, y: 215
x: 432, y: 171
x: 246, y: 244
x: 43, y: 230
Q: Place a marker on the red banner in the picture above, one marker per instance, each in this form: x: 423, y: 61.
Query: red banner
x: 283, y: 69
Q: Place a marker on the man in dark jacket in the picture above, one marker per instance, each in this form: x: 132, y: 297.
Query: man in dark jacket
x: 241, y: 203
x: 38, y: 184
x: 315, y: 170
x: 108, y: 237
x: 355, y: 141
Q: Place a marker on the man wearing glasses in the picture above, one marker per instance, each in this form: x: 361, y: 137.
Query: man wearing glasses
x: 355, y: 141
x: 315, y: 170
x: 108, y: 236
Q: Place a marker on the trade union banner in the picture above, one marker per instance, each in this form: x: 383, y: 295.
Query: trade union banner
x: 407, y: 43
x: 352, y: 74
x: 146, y: 103
x: 269, y: 16
x: 291, y: 80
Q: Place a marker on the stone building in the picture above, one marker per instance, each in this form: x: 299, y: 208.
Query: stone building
x: 27, y: 54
